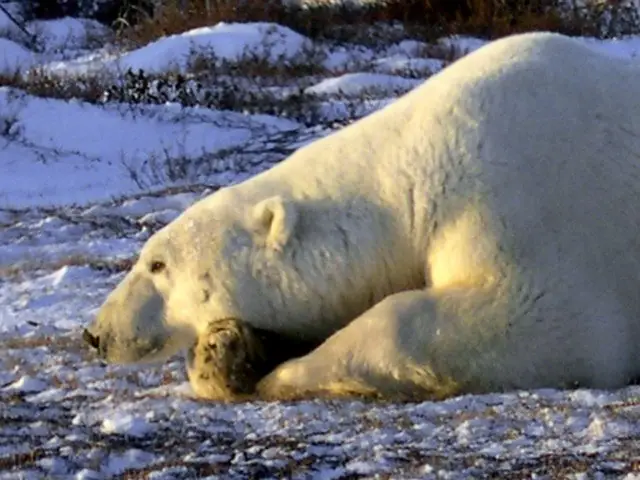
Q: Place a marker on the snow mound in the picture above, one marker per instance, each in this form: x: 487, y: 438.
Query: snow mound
x: 353, y: 84
x: 126, y: 424
x: 628, y: 47
x: 144, y: 207
x: 91, y: 153
x: 409, y: 48
x: 224, y: 41
x: 397, y: 65
x: 69, y: 275
x: 8, y: 28
x: 461, y: 44
x: 340, y: 58
x: 14, y: 57
x: 27, y: 384
x: 68, y: 33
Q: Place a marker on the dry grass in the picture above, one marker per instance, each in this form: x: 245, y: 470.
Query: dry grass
x: 53, y: 342
x: 45, y: 85
x: 220, y: 84
x: 208, y: 82
x: 548, y: 465
x: 253, y: 64
x: 425, y: 19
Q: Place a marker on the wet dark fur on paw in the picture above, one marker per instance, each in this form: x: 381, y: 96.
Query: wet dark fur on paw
x: 230, y: 358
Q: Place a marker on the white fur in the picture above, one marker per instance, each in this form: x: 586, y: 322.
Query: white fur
x: 482, y: 231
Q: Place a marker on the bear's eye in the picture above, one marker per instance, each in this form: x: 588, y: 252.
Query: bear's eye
x: 157, y: 266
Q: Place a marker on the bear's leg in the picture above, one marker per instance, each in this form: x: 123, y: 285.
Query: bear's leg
x: 231, y: 356
x: 433, y: 344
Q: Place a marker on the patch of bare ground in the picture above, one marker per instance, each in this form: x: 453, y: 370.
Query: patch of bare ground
x: 58, y: 342
x: 185, y: 448
x: 108, y: 265
x: 295, y: 463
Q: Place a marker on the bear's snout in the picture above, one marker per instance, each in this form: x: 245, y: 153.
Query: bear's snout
x: 92, y: 340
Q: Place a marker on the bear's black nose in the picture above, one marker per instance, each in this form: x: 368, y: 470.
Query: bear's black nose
x: 90, y: 339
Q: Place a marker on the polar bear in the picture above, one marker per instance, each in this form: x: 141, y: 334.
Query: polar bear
x: 479, y: 234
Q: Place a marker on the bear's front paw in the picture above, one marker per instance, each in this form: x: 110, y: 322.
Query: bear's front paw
x: 225, y: 363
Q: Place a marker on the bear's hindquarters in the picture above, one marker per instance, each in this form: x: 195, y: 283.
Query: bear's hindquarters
x: 428, y: 344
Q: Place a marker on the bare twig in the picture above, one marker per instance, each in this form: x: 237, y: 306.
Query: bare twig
x: 32, y: 38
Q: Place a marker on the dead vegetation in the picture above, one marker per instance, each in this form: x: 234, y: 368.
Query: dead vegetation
x: 213, y: 82
x: 424, y: 19
x: 53, y: 342
x: 42, y: 84
x: 255, y: 83
x: 191, y: 450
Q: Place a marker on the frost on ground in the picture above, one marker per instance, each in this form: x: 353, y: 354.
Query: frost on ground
x: 64, y: 414
x: 83, y: 185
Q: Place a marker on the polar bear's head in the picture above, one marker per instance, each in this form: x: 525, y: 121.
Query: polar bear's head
x: 263, y: 261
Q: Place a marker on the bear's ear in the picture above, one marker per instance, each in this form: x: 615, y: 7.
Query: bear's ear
x: 274, y: 219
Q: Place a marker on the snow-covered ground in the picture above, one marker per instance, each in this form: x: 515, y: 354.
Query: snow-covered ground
x: 82, y: 185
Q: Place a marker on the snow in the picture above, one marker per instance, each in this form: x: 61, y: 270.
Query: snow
x: 461, y: 44
x: 224, y: 41
x: 68, y: 275
x: 627, y: 47
x: 398, y: 64
x: 84, y: 184
x: 126, y: 424
x: 14, y: 57
x: 68, y: 33
x: 27, y: 384
x: 354, y: 84
x: 91, y: 152
x: 7, y: 27
x: 340, y: 58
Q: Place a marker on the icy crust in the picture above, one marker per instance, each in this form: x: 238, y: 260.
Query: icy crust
x: 41, y: 238
x: 65, y: 415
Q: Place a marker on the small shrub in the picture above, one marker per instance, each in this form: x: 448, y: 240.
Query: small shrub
x: 222, y: 93
x: 9, y: 127
x: 605, y: 18
x: 41, y: 83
